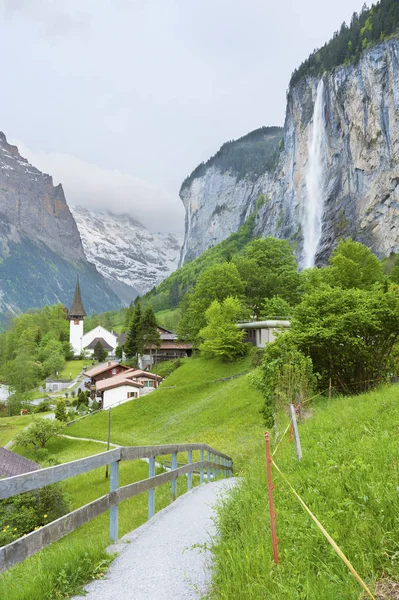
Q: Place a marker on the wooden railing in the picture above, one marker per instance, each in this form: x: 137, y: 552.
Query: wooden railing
x: 17, y: 551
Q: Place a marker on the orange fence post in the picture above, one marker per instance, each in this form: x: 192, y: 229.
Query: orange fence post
x: 270, y: 489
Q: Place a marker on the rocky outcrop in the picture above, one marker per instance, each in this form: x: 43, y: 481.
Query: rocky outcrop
x: 40, y: 247
x: 132, y: 259
x: 360, y: 170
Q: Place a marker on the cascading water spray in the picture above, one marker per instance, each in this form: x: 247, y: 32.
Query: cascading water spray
x: 315, y: 181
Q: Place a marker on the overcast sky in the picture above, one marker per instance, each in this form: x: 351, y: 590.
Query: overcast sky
x: 120, y: 100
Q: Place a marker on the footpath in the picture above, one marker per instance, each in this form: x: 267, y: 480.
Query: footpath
x: 165, y: 558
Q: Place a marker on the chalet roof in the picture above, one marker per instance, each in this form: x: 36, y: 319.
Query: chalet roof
x: 13, y: 464
x: 104, y: 367
x: 116, y: 381
x: 140, y: 373
x: 170, y: 346
x: 77, y: 309
x: 103, y: 343
x: 168, y: 336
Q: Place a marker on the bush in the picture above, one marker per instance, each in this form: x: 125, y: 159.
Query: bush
x: 24, y: 513
x: 167, y: 367
x: 60, y: 411
x: 44, y: 406
x: 39, y: 432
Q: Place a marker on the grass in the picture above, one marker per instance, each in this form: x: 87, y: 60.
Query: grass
x: 349, y: 477
x: 73, y: 368
x: 169, y: 318
x: 189, y: 407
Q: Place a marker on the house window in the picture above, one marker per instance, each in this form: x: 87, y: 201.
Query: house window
x: 148, y: 384
x: 132, y: 394
x: 114, y: 371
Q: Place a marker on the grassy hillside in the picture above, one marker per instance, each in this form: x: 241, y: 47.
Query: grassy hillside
x: 190, y: 406
x: 349, y: 477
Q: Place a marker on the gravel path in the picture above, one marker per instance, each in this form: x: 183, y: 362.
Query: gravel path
x: 158, y: 559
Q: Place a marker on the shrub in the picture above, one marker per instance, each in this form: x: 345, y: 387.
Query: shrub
x: 44, y: 406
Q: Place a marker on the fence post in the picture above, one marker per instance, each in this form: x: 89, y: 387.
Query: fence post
x: 215, y: 469
x: 296, y: 433
x: 202, y: 467
x: 190, y: 475
x: 271, y: 507
x: 151, y: 492
x: 109, y: 439
x: 208, y: 473
x: 174, y: 481
x: 113, y: 486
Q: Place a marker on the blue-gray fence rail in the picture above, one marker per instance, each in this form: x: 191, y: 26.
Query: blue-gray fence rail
x: 35, y: 541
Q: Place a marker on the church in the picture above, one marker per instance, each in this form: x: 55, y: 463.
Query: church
x: 86, y: 342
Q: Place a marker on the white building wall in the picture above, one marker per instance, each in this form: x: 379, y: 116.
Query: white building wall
x: 75, y: 335
x: 100, y: 332
x: 118, y: 395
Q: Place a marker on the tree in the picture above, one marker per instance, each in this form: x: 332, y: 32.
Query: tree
x: 150, y: 331
x: 99, y: 352
x: 119, y: 352
x: 349, y: 334
x: 215, y: 283
x: 354, y: 266
x: 221, y: 336
x: 134, y: 342
x: 39, y: 432
x: 54, y: 364
x: 276, y: 308
x: 60, y: 411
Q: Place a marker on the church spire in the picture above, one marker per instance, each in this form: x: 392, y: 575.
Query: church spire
x: 77, y: 311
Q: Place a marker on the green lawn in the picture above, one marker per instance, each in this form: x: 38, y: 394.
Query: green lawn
x: 349, y: 477
x: 73, y: 368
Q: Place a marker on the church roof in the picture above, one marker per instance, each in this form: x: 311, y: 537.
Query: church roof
x: 103, y: 343
x: 77, y: 309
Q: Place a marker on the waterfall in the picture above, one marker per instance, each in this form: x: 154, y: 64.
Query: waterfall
x: 315, y: 181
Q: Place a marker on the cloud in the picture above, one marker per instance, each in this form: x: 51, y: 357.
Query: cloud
x: 98, y: 188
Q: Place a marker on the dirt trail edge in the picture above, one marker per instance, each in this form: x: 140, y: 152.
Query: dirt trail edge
x: 161, y: 559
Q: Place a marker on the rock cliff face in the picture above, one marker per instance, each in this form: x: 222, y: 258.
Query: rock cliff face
x: 40, y: 247
x: 130, y: 257
x: 354, y: 177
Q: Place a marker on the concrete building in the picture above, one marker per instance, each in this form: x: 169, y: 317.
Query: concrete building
x: 260, y: 333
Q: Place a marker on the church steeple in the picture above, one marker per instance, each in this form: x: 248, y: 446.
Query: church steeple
x: 77, y: 311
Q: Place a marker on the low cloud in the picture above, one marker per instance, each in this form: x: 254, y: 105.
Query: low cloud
x: 97, y: 188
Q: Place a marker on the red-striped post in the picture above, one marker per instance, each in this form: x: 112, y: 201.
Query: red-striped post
x: 270, y: 489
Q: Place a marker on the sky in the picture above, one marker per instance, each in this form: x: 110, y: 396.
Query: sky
x: 119, y: 100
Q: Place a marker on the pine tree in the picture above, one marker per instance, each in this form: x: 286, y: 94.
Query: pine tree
x: 134, y: 343
x: 60, y: 411
x: 99, y: 352
x: 150, y: 331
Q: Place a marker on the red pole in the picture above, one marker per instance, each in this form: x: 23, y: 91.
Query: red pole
x: 270, y: 488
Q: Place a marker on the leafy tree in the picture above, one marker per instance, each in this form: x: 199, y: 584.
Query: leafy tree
x: 99, y: 352
x: 134, y: 342
x: 60, y: 411
x: 54, y: 364
x: 276, y: 308
x: 23, y: 373
x: 221, y: 336
x: 216, y: 283
x: 354, y: 266
x: 349, y: 334
x: 39, y: 432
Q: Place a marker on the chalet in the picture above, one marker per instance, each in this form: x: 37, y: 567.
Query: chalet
x: 170, y: 348
x: 13, y: 464
x: 126, y: 386
x: 103, y: 371
x: 260, y: 333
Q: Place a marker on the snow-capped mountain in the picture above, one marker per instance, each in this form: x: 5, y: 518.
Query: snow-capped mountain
x: 132, y: 258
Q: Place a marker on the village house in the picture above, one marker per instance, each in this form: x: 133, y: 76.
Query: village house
x: 260, y: 333
x: 126, y: 386
x: 103, y: 371
x: 170, y: 348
